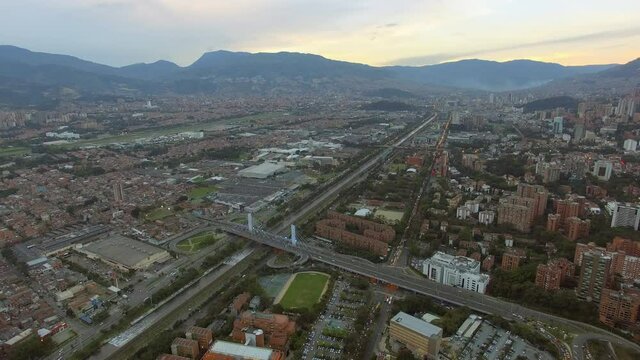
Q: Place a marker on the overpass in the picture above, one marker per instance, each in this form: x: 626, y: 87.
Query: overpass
x: 397, y: 276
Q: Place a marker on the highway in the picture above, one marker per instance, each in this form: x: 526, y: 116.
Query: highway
x: 347, y: 181
x: 396, y: 275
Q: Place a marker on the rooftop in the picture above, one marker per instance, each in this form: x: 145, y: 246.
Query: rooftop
x: 122, y: 250
x: 415, y: 324
x: 240, y: 351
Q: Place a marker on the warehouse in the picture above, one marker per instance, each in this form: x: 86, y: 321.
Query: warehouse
x: 124, y: 253
x: 262, y: 171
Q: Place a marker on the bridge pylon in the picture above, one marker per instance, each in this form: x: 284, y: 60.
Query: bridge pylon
x: 250, y: 221
x: 294, y: 239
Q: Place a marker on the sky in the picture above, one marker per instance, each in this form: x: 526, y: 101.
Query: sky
x: 376, y: 32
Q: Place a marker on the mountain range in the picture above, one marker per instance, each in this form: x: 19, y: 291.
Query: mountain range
x: 35, y: 78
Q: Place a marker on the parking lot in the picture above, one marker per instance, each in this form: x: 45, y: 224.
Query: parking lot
x: 326, y: 339
x: 492, y: 343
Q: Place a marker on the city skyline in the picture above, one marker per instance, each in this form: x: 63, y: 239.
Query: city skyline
x: 122, y: 32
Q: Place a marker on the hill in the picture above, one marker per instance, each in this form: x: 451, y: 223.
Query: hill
x: 551, y: 103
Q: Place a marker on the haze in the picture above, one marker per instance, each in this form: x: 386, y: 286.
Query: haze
x: 403, y: 32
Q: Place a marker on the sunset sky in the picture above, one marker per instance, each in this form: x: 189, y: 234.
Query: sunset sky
x: 376, y: 32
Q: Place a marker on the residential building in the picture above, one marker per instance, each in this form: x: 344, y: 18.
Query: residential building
x: 486, y: 217
x: 619, y: 308
x: 488, y: 262
x: 512, y: 257
x: 553, y: 222
x: 185, y: 347
x: 558, y: 124
x: 625, y: 214
x: 577, y: 228
x: 595, y: 275
x: 630, y: 145
x: 457, y: 271
x: 203, y: 336
x: 420, y: 337
x: 463, y: 212
x: 551, y: 275
x: 277, y: 328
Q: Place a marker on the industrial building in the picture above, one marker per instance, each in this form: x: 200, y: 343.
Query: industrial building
x: 420, y: 337
x: 124, y: 253
x: 457, y: 271
x: 262, y: 171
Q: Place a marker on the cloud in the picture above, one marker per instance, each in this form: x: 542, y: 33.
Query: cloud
x: 583, y: 38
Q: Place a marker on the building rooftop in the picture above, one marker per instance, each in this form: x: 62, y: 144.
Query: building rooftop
x: 415, y: 324
x: 122, y: 250
x: 240, y: 351
x: 461, y: 263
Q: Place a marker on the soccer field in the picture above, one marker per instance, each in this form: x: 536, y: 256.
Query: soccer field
x: 304, y: 290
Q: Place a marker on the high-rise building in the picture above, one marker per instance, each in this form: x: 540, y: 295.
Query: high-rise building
x: 595, y: 275
x: 625, y: 214
x: 486, y: 217
x: 420, y: 337
x: 118, y: 194
x: 457, y: 271
x: 553, y: 222
x: 203, y: 336
x: 578, y: 132
x: 630, y: 247
x: 511, y: 258
x: 558, y: 124
x: 602, y: 169
x: 551, y: 275
x: 577, y: 228
x: 536, y: 192
x: 619, y: 308
x: 630, y: 145
x: 566, y: 209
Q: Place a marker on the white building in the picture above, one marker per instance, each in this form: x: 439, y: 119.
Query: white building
x: 473, y: 206
x: 463, y: 212
x: 630, y: 145
x: 456, y: 271
x: 262, y: 171
x: 625, y: 215
x: 486, y: 217
x: 602, y: 169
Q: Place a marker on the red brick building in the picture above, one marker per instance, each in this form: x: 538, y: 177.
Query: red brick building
x: 511, y: 258
x: 374, y: 236
x: 576, y: 228
x: 277, y: 328
x: 619, y: 308
x: 551, y: 275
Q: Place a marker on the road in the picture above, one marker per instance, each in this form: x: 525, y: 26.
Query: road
x: 397, y: 276
x: 347, y: 181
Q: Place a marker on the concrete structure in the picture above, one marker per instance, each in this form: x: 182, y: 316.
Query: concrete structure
x: 420, y: 337
x: 225, y: 350
x: 602, y: 169
x: 625, y: 214
x: 124, y: 253
x: 457, y: 271
x: 463, y: 212
x: 262, y: 171
x: 630, y: 145
x: 522, y: 209
x: 486, y: 217
x: 595, y: 275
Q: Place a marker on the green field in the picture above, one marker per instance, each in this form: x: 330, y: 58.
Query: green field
x: 200, y: 192
x: 198, y: 241
x: 13, y: 151
x: 305, y: 290
x: 158, y: 214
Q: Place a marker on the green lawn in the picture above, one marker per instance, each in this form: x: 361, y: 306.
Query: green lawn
x: 198, y: 241
x: 304, y: 291
x: 202, y: 191
x: 158, y: 214
x: 13, y: 151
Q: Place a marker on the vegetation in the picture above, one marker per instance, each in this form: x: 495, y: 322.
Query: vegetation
x: 222, y: 254
x: 202, y: 191
x: 30, y: 349
x: 158, y: 213
x: 304, y: 291
x: 198, y: 241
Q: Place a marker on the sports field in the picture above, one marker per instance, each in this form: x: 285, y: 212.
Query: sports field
x: 303, y: 290
x: 158, y: 214
x: 198, y: 241
x: 200, y: 192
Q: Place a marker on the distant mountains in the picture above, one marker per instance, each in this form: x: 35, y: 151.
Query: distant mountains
x: 35, y: 78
